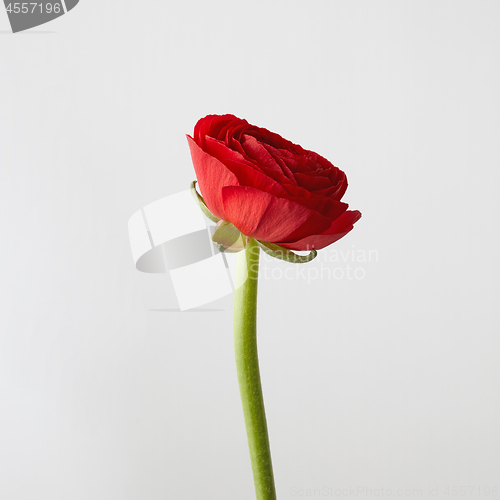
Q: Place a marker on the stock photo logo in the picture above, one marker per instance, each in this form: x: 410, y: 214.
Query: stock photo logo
x: 182, y: 247
x: 26, y: 15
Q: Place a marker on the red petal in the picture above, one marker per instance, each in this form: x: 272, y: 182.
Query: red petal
x: 331, y: 209
x: 335, y: 192
x: 264, y: 217
x: 325, y: 205
x: 211, y: 125
x: 312, y: 182
x: 286, y: 171
x: 246, y: 172
x: 275, y: 140
x: 337, y: 230
x: 257, y: 152
x: 212, y: 176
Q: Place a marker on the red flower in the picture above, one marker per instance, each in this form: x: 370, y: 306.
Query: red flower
x: 267, y: 187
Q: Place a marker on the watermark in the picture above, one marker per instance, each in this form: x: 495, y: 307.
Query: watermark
x: 394, y: 492
x: 330, y: 264
x: 355, y: 491
x: 201, y: 273
x: 26, y: 15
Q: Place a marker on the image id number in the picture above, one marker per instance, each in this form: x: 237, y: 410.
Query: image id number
x: 34, y: 7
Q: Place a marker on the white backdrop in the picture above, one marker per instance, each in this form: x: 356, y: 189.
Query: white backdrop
x: 388, y: 380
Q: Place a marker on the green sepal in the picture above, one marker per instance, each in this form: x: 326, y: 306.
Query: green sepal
x: 228, y: 239
x: 201, y: 202
x: 284, y: 254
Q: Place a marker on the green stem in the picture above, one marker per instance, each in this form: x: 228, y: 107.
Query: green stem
x: 247, y: 365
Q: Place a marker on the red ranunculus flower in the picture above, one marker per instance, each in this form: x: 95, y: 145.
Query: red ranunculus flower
x: 269, y: 188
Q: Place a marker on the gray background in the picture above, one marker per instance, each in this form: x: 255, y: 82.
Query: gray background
x: 387, y: 381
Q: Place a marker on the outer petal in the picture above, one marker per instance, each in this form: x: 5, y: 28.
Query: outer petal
x: 264, y: 217
x: 212, y: 176
x: 325, y: 206
x: 339, y: 228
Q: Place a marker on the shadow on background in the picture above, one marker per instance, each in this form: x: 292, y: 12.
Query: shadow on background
x: 27, y: 33
x: 187, y: 311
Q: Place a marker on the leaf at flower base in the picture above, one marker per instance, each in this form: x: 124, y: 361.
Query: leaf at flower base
x: 229, y: 239
x: 201, y: 202
x: 284, y: 254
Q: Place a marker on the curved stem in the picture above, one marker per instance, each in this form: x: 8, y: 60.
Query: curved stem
x: 247, y: 365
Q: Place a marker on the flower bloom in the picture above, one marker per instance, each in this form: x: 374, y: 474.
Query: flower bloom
x: 269, y: 188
